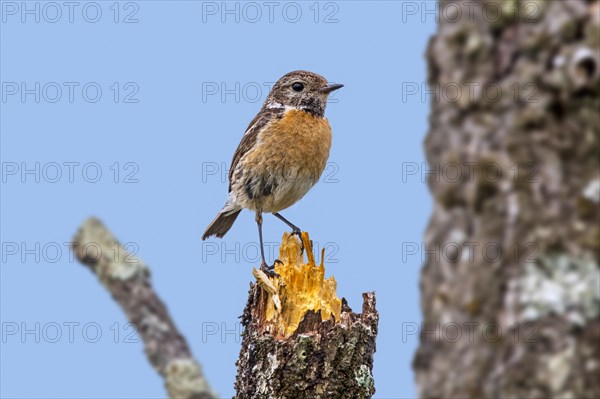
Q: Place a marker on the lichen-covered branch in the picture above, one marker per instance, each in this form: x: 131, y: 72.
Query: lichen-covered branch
x: 300, y: 341
x: 514, y: 241
x: 127, y: 278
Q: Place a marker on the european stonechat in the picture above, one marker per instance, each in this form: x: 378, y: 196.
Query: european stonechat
x: 281, y: 155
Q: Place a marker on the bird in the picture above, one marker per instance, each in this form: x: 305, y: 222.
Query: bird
x: 281, y: 155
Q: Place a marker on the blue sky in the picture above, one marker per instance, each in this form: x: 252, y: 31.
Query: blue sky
x: 132, y: 114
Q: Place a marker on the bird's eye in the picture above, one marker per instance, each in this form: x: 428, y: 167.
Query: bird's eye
x: 297, y: 87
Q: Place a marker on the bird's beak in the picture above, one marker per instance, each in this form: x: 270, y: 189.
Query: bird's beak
x: 330, y: 87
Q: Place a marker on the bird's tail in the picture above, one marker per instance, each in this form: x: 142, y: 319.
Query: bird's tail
x: 221, y: 224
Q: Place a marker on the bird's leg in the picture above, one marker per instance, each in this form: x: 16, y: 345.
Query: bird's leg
x: 295, y: 229
x: 269, y: 270
x: 259, y: 220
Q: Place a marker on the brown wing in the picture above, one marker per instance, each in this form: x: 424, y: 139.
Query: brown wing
x: 261, y: 119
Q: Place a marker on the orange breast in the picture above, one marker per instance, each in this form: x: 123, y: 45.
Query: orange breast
x: 289, y: 157
x: 299, y: 138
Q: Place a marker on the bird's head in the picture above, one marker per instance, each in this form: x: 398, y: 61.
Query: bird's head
x: 303, y: 90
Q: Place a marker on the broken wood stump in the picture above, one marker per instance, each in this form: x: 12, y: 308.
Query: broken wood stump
x: 300, y: 340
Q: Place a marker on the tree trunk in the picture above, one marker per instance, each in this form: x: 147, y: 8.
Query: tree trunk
x: 300, y: 341
x: 510, y: 286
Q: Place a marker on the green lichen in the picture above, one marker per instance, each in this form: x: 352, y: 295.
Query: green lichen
x: 111, y: 260
x: 591, y: 192
x: 124, y: 266
x: 562, y: 285
x: 184, y: 379
x: 558, y: 367
x: 364, y: 378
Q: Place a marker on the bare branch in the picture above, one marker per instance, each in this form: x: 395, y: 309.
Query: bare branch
x: 127, y: 278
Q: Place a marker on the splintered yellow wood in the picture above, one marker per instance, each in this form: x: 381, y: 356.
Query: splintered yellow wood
x: 299, y: 288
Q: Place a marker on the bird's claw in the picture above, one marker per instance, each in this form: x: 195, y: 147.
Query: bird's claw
x: 298, y: 232
x: 269, y: 270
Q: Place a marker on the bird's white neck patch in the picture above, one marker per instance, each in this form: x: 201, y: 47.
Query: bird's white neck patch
x: 284, y: 107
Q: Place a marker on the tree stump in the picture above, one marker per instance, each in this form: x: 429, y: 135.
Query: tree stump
x: 301, y: 340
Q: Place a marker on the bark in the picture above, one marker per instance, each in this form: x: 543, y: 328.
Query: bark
x: 529, y: 313
x: 317, y: 357
x: 127, y: 278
